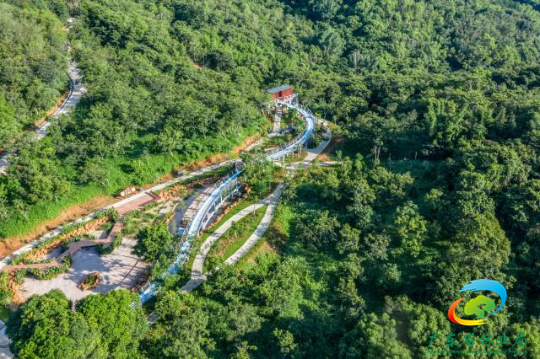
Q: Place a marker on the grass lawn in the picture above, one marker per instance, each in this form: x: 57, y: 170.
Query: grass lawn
x: 237, y: 208
x: 275, y: 237
x: 235, y: 236
x: 296, y: 157
x: 277, y: 140
x: 138, y: 220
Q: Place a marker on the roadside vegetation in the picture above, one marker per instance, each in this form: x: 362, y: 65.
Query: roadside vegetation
x: 438, y: 106
x: 33, y: 62
x: 156, y: 245
x: 134, y: 126
x: 47, y: 327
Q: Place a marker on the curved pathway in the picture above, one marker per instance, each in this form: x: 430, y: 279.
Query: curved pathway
x: 200, y: 219
x: 197, y: 275
x: 261, y: 228
x: 76, y: 92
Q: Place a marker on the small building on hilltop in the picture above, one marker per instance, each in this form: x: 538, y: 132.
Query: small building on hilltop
x: 281, y: 92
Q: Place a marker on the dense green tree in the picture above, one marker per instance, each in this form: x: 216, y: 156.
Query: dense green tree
x: 154, y: 241
x: 258, y: 174
x: 438, y: 108
x: 45, y: 327
x: 374, y: 335
x: 120, y: 320
x: 32, y: 63
x: 411, y: 228
x: 186, y: 332
x: 8, y: 125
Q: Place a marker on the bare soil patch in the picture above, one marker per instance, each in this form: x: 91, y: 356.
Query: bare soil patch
x: 335, y: 142
x: 10, y: 245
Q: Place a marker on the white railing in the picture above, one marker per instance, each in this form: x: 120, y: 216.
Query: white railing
x: 209, y: 206
x: 201, y: 218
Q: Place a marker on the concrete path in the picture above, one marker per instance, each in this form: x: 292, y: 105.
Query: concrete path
x: 120, y: 269
x: 261, y: 228
x: 121, y: 206
x: 3, y: 164
x: 180, y: 211
x: 197, y: 275
x: 277, y: 123
x: 311, y: 155
x: 4, y: 342
x: 76, y: 92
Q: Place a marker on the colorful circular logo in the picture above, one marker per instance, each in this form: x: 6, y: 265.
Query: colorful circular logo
x: 479, y: 305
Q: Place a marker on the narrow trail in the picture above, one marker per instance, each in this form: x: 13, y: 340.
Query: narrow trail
x: 277, y: 123
x: 76, y: 91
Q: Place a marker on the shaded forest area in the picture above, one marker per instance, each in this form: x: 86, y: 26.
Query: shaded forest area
x: 32, y: 64
x: 439, y: 106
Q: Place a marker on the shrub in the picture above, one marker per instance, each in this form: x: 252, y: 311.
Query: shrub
x: 51, y: 272
x: 5, y: 291
x: 109, y: 212
x: 117, y: 241
x: 92, y: 280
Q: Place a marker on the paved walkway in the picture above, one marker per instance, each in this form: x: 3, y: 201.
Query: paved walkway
x: 120, y: 269
x: 277, y: 122
x: 4, y: 342
x: 76, y: 92
x: 197, y: 275
x: 261, y: 228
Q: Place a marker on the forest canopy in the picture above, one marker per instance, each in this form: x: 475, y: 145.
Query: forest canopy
x: 32, y: 64
x: 437, y: 105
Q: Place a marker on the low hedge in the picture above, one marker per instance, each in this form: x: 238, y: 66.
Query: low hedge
x: 109, y: 212
x: 115, y: 244
x: 5, y: 291
x: 51, y: 272
x: 68, y: 228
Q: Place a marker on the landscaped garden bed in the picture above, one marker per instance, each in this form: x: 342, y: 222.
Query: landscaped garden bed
x: 91, y: 281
